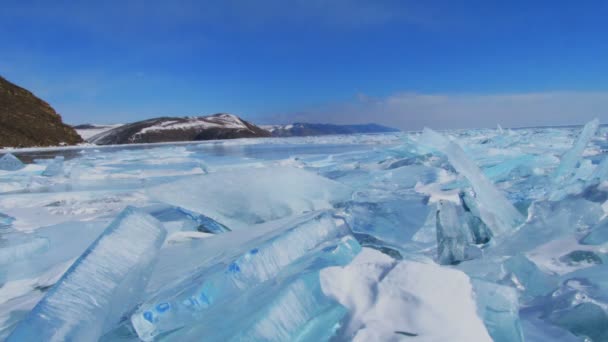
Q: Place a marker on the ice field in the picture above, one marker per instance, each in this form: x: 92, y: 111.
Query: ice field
x: 471, y: 235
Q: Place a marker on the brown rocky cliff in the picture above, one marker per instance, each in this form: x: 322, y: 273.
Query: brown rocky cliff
x: 26, y: 120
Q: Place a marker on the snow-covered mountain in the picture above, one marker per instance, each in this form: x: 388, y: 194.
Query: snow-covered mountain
x: 165, y: 129
x: 310, y: 129
x: 87, y: 131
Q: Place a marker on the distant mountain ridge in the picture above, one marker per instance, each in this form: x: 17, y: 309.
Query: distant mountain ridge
x: 167, y: 129
x: 26, y: 120
x: 300, y: 129
x: 216, y: 126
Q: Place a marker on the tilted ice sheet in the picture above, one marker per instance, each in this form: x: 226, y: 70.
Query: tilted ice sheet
x: 241, y: 198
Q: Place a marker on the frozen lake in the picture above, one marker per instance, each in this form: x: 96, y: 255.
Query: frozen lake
x: 466, y: 235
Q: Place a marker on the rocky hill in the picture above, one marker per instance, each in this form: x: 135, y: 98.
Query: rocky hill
x: 310, y: 129
x: 166, y: 129
x: 26, y: 120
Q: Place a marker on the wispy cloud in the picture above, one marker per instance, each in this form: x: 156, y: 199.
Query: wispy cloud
x: 412, y: 111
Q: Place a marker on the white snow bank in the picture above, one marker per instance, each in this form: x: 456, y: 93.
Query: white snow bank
x: 390, y: 300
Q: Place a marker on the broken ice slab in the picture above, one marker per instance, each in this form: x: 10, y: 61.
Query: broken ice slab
x: 16, y: 247
x: 578, y: 306
x: 495, y: 210
x: 498, y: 307
x: 184, y: 293
x: 586, y: 320
x: 392, y: 219
x: 549, y: 221
x: 6, y: 220
x: 100, y: 286
x: 291, y: 307
x: 187, y: 220
x: 54, y: 168
x: 472, y: 217
x: 240, y: 198
x: 528, y: 278
x: 600, y: 173
x: 66, y: 241
x: 455, y: 241
x: 9, y: 162
x: 598, y: 234
x: 571, y: 159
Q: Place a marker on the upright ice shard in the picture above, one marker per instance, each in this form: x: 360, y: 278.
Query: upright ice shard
x: 495, y: 210
x: 454, y: 237
x: 9, y: 162
x: 55, y: 167
x: 571, y: 159
x: 100, y: 286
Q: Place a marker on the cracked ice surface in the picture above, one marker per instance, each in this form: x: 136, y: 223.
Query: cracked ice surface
x: 468, y: 235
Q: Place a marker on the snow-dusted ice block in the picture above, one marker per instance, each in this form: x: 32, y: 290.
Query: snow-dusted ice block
x: 498, y: 306
x: 495, y: 210
x: 192, y: 294
x: 55, y: 167
x: 571, y: 159
x: 240, y: 198
x: 100, y: 286
x: 9, y: 162
x: 389, y: 301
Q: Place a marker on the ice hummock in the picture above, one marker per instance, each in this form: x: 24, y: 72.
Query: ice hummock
x: 9, y: 162
x: 54, y: 168
x: 100, y: 286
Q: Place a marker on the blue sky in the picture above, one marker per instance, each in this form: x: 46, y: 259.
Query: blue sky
x: 402, y: 63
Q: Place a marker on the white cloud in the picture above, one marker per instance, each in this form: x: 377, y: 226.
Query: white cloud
x: 412, y: 111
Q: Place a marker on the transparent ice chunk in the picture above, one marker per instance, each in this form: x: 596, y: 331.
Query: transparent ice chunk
x: 571, y: 159
x: 498, y: 307
x: 100, y: 286
x: 455, y: 242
